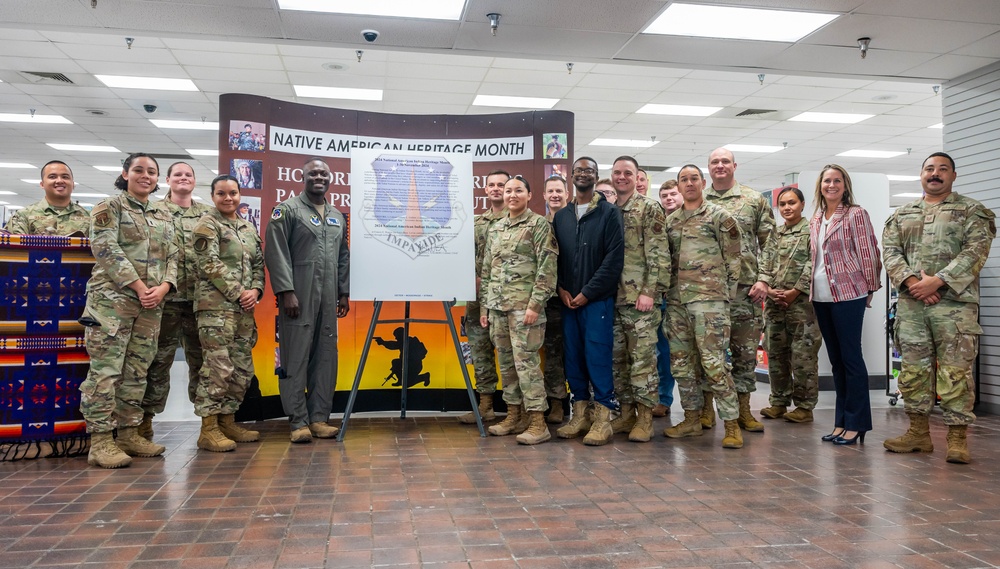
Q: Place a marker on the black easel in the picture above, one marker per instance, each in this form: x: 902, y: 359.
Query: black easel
x: 406, y: 359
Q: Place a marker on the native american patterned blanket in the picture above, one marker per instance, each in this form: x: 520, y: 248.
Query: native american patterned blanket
x: 42, y: 355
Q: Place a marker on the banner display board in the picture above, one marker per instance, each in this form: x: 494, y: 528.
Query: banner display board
x: 265, y: 143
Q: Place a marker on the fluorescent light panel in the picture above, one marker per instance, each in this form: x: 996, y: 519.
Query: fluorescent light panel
x: 201, y: 151
x: 37, y: 119
x: 678, y: 110
x: 316, y: 92
x: 753, y: 148
x: 908, y: 195
x: 624, y: 143
x: 36, y: 181
x: 938, y: 125
x: 16, y: 165
x: 834, y: 118
x: 109, y: 168
x: 871, y: 154
x: 427, y: 10
x: 515, y: 102
x: 90, y: 195
x: 15, y: 207
x: 189, y: 125
x: 898, y: 178
x: 151, y: 83
x: 81, y: 147
x: 7, y: 193
x: 737, y: 23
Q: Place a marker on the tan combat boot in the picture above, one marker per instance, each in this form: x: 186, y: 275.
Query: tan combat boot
x: 958, y: 447
x: 105, y: 453
x: 211, y: 438
x: 746, y: 420
x: 600, y: 432
x: 509, y: 423
x: 773, y: 412
x: 538, y: 431
x: 133, y: 445
x: 485, y: 411
x: 799, y: 415
x: 556, y: 411
x: 522, y: 424
x: 916, y: 439
x: 691, y: 426
x: 707, y: 411
x: 323, y: 430
x: 233, y: 431
x: 643, y: 429
x: 146, y: 426
x: 733, y: 438
x: 578, y: 424
x: 624, y: 422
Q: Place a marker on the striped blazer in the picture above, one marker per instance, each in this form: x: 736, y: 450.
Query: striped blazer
x: 850, y: 251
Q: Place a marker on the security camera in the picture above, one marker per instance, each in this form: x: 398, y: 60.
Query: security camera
x: 369, y: 35
x: 149, y: 108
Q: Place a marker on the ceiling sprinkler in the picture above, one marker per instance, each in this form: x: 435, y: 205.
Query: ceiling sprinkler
x: 494, y: 22
x: 863, y: 44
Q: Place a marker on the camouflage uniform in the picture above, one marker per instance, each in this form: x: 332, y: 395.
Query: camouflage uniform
x: 43, y: 219
x: 634, y: 359
x: 756, y: 221
x: 231, y: 261
x: 519, y: 273
x: 705, y: 268
x: 484, y: 363
x: 555, y: 373
x: 950, y: 239
x: 130, y: 241
x: 793, y: 337
x: 178, y: 322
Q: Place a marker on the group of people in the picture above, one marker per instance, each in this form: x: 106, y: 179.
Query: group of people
x: 630, y: 294
x: 174, y: 270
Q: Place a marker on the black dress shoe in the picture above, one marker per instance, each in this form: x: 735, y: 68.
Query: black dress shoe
x: 833, y: 435
x: 852, y: 440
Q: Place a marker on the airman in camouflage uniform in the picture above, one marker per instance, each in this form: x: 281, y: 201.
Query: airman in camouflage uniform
x: 636, y: 316
x: 756, y: 223
x: 56, y: 214
x: 705, y: 266
x: 231, y: 275
x: 518, y: 277
x: 484, y: 363
x: 178, y: 322
x: 934, y: 249
x: 793, y: 337
x: 135, y: 266
x: 556, y: 198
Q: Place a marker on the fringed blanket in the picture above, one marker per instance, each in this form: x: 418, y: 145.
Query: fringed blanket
x: 42, y: 356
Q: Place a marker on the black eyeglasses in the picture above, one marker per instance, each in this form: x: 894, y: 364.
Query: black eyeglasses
x: 590, y: 171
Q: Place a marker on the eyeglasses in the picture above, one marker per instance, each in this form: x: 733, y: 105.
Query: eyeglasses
x: 589, y: 171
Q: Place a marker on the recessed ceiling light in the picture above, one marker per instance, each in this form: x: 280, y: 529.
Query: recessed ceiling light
x: 90, y: 195
x: 871, y: 154
x: 315, y: 92
x: 82, y: 147
x: 151, y: 83
x: 37, y: 119
x: 428, y: 10
x: 624, y: 143
x: 938, y: 125
x: 898, y: 178
x: 752, y: 148
x: 676, y: 169
x: 190, y: 125
x: 908, y: 195
x: 109, y: 168
x: 835, y: 118
x: 678, y: 110
x: 516, y: 102
x: 737, y: 23
x: 201, y: 151
x: 8, y: 192
x: 16, y: 165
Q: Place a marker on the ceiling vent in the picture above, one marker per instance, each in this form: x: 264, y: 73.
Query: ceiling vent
x: 755, y: 112
x: 45, y: 76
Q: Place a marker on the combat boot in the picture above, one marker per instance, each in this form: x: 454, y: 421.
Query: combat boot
x: 105, y: 453
x: 211, y: 438
x: 958, y: 447
x: 707, y: 411
x: 799, y: 415
x: 733, y: 438
x: 509, y: 423
x: 538, y: 431
x: 773, y: 412
x: 133, y: 445
x: 643, y: 429
x: 556, y: 411
x: 523, y: 422
x: 233, y: 431
x: 691, y: 426
x: 916, y: 439
x: 578, y: 424
x: 624, y: 422
x: 485, y: 411
x: 600, y: 432
x: 746, y: 420
x: 146, y: 426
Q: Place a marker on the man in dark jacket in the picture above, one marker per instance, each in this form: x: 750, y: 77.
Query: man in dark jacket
x: 591, y: 255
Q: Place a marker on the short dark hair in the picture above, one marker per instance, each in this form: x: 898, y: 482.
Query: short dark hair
x: 51, y: 162
x: 557, y: 178
x: 628, y: 159
x: 686, y: 166
x: 589, y: 159
x: 248, y: 125
x: 222, y: 178
x: 121, y: 183
x: 314, y: 159
x: 521, y: 179
x: 644, y: 172
x: 943, y: 155
x: 497, y: 172
x: 798, y: 193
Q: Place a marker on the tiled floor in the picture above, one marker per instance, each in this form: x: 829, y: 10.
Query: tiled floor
x: 429, y: 492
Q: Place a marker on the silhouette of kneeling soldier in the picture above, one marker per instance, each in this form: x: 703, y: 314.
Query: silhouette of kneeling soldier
x: 416, y: 354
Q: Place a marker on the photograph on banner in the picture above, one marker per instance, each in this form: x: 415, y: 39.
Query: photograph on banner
x: 555, y: 145
x: 412, y: 211
x: 248, y: 173
x: 250, y: 210
x: 248, y: 136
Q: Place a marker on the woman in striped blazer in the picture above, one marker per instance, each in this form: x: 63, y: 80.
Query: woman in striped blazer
x: 846, y: 272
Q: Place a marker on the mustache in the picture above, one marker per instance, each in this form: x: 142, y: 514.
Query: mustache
x: 935, y: 179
